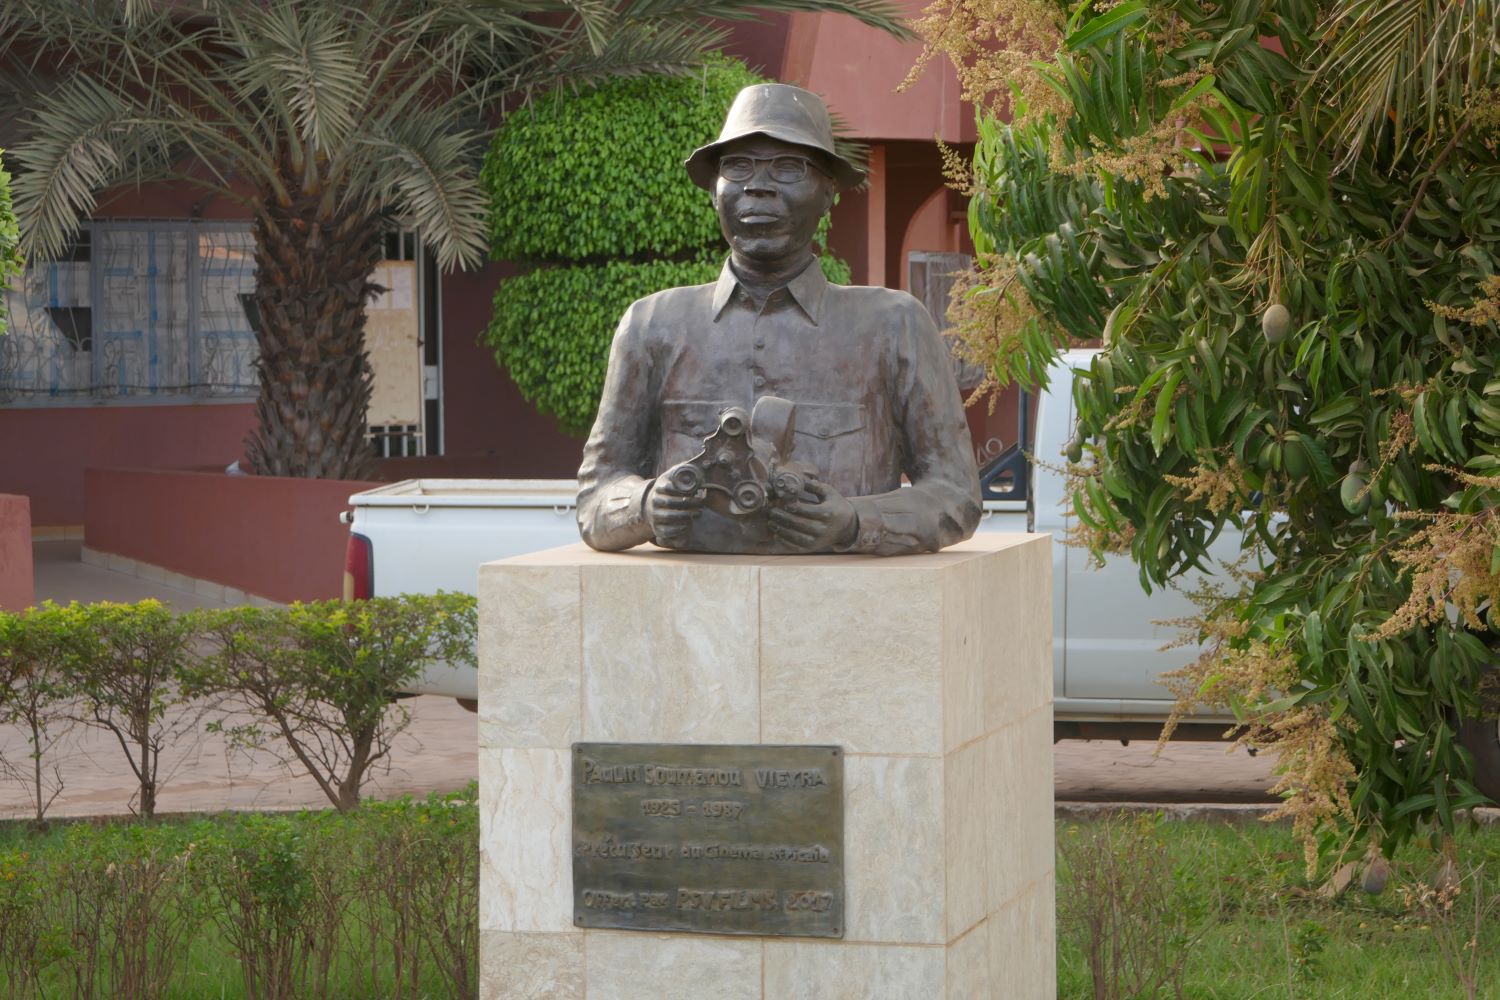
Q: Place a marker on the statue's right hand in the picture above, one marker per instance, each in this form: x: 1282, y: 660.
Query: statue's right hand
x: 670, y: 507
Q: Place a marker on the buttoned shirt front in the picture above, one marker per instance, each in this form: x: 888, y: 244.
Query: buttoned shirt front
x: 875, y: 399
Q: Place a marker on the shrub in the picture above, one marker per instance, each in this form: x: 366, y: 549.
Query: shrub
x: 22, y: 931
x: 36, y: 651
x: 1118, y: 899
x: 131, y: 662
x: 320, y: 676
x: 419, y: 885
x: 590, y: 189
x: 128, y: 904
x: 280, y: 887
x: 598, y: 173
x: 255, y: 906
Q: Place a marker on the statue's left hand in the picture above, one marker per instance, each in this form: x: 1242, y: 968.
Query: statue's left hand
x: 820, y: 519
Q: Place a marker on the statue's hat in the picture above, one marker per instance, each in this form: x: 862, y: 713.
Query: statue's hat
x: 779, y: 111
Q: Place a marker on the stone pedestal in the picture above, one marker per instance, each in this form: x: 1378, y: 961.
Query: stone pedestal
x: 933, y: 672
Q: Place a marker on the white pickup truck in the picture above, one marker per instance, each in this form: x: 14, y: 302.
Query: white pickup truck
x: 424, y: 535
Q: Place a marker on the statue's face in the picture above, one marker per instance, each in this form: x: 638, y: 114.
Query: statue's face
x: 766, y: 219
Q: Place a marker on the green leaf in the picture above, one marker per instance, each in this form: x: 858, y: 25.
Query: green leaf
x: 1107, y: 25
x: 1194, y: 92
x: 1161, y: 420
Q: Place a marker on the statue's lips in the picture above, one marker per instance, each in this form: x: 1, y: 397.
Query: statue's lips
x: 759, y: 219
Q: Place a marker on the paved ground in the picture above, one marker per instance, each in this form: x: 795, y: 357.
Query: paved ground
x: 438, y: 751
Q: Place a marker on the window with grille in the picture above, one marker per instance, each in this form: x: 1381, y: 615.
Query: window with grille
x: 930, y: 276
x: 154, y: 311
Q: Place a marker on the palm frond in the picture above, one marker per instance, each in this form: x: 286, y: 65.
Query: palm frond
x: 882, y: 14
x: 597, y: 19
x: 305, y: 56
x: 1403, y: 67
x: 423, y: 171
x: 293, y: 83
x: 85, y: 139
x: 633, y: 50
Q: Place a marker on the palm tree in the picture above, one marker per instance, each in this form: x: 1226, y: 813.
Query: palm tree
x: 327, y: 120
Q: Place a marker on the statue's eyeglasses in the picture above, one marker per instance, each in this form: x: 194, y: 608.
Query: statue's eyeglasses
x: 783, y: 170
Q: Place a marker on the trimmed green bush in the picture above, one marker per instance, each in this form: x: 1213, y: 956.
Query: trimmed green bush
x: 599, y: 173
x: 132, y: 663
x: 589, y: 189
x: 317, y: 678
x: 38, y: 683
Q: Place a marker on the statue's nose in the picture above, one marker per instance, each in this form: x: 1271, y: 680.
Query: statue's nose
x: 761, y: 181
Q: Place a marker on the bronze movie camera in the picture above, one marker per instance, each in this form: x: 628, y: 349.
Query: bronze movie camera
x: 745, y: 468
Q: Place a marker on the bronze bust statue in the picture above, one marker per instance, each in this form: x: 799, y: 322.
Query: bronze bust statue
x: 772, y: 411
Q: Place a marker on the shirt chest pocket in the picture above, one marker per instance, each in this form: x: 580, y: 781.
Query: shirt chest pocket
x: 684, y: 425
x: 832, y: 438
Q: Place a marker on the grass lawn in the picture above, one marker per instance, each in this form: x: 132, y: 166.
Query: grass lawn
x: 380, y: 904
x: 1256, y: 929
x: 1231, y: 898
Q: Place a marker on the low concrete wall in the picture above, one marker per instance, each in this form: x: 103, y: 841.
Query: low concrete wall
x: 276, y: 537
x: 48, y: 447
x: 16, y: 582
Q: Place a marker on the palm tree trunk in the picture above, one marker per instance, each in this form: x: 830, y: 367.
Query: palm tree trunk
x: 312, y: 281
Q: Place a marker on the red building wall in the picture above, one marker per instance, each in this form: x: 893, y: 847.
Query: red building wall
x: 483, y: 410
x: 44, y: 450
x: 266, y: 535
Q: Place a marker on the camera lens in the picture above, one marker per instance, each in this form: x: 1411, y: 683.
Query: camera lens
x: 686, y: 479
x: 749, y: 496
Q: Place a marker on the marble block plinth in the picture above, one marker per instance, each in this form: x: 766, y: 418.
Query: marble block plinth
x: 933, y: 672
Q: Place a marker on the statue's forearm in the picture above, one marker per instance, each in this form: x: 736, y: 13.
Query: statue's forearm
x: 611, y: 513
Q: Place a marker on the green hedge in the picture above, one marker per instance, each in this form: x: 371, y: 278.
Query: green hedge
x: 599, y: 173
x: 10, y: 237
x: 589, y: 188
x: 309, y: 683
x: 552, y: 327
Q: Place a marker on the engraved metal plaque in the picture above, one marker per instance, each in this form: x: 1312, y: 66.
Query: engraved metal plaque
x: 710, y: 839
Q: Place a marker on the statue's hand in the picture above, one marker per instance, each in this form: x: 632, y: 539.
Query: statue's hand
x: 670, y: 511
x: 823, y: 522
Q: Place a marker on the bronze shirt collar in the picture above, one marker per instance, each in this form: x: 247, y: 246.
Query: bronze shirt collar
x: 807, y: 290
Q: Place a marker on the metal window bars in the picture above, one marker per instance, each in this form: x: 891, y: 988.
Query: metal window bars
x: 146, y: 310
x: 397, y: 440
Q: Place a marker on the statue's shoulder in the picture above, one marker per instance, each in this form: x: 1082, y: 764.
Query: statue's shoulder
x: 894, y: 297
x: 670, y: 304
x: 889, y: 301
